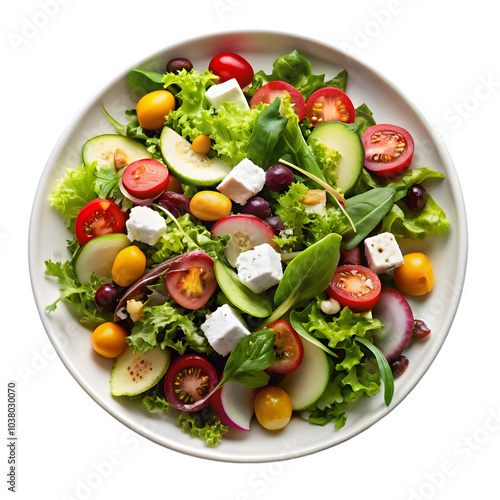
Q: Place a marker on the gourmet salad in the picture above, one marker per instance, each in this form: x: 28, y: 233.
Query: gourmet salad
x: 235, y: 246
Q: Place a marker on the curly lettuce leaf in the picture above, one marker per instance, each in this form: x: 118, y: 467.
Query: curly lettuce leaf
x: 336, y: 329
x: 79, y: 186
x: 403, y: 223
x: 295, y: 69
x: 354, y: 373
x: 169, y: 326
x: 328, y: 160
x: 194, y: 236
x: 79, y: 295
x: 308, y: 228
x: 229, y: 126
x: 202, y: 424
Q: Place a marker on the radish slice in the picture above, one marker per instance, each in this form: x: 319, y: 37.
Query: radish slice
x: 137, y: 201
x: 395, y: 313
x: 246, y: 231
x: 232, y: 404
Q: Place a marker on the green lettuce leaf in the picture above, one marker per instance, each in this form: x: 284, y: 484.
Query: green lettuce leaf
x: 80, y: 296
x: 168, y: 325
x: 328, y: 160
x: 229, y: 126
x: 174, y: 242
x: 308, y: 228
x: 430, y: 220
x: 202, y: 424
x: 354, y: 373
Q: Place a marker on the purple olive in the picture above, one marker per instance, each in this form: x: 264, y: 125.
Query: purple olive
x: 178, y: 64
x: 177, y: 204
x: 278, y: 178
x: 107, y: 297
x: 416, y: 198
x: 276, y: 224
x: 257, y: 206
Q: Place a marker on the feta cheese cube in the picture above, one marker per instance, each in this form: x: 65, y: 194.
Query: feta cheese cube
x: 146, y: 225
x: 314, y: 201
x: 260, y: 268
x: 223, y: 329
x: 382, y: 253
x: 227, y: 91
x: 244, y: 181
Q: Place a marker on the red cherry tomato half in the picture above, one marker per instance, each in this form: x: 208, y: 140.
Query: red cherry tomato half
x: 230, y: 65
x: 288, y: 347
x: 97, y: 218
x: 191, y: 280
x: 329, y: 105
x: 145, y: 178
x: 189, y: 379
x: 355, y: 287
x: 388, y: 149
x: 271, y: 90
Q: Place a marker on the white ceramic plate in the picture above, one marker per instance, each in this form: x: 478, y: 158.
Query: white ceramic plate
x: 448, y: 253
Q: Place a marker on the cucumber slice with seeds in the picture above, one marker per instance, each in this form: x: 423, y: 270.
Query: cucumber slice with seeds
x: 102, y: 149
x: 336, y: 135
x: 188, y: 166
x: 135, y: 373
x: 97, y: 256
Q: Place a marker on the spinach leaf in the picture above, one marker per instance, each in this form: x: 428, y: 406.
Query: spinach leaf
x: 238, y: 294
x: 142, y: 82
x: 307, y: 275
x: 266, y: 133
x: 363, y: 118
x: 248, y: 360
x: 385, y: 369
x: 366, y: 210
x: 295, y: 69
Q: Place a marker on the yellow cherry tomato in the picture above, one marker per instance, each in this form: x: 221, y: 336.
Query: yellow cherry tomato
x: 272, y: 407
x: 153, y: 107
x: 202, y: 144
x: 210, y: 205
x: 109, y: 340
x: 415, y: 276
x: 129, y: 266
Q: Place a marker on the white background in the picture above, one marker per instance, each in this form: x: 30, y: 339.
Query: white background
x: 442, y: 441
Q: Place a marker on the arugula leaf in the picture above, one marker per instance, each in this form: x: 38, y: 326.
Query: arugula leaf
x: 366, y: 210
x: 80, y: 296
x: 385, y: 369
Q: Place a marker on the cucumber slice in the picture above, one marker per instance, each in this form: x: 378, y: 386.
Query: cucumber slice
x: 190, y: 167
x: 336, y: 135
x: 134, y: 373
x: 98, y: 255
x: 308, y: 382
x: 102, y: 149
